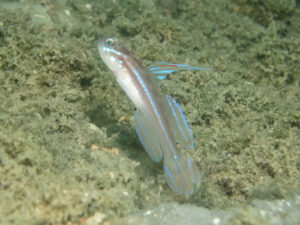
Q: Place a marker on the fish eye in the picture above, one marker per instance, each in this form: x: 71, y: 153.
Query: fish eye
x: 110, y: 42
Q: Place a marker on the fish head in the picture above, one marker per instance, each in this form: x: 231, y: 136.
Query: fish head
x: 113, y: 54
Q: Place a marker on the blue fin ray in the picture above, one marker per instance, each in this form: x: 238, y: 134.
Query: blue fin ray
x: 146, y: 137
x: 161, y: 69
x: 182, y: 174
x: 179, y: 125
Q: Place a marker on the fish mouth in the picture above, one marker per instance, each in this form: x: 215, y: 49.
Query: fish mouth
x: 100, y: 42
x: 101, y: 46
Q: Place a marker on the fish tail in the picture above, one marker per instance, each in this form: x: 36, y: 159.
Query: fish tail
x: 182, y: 174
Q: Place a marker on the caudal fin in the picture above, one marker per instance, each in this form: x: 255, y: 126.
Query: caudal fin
x: 182, y: 174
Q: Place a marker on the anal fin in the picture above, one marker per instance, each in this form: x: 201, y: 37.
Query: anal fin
x: 147, y: 137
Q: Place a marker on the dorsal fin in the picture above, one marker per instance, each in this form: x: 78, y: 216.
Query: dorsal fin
x: 178, y: 124
x: 162, y: 69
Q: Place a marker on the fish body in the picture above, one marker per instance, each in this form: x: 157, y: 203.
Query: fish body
x: 159, y: 120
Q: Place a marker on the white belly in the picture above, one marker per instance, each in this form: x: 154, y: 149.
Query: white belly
x: 131, y: 90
